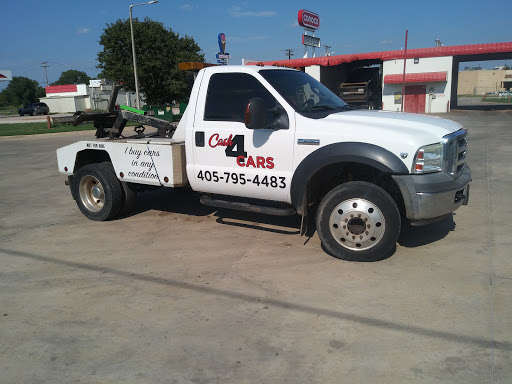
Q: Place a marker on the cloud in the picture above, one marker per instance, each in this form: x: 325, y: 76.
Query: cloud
x: 236, y: 11
x: 186, y: 7
x: 82, y: 30
x: 295, y: 24
x: 386, y: 42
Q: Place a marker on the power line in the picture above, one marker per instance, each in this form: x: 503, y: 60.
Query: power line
x: 288, y: 52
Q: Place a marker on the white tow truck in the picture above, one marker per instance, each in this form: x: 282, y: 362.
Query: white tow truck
x: 274, y: 140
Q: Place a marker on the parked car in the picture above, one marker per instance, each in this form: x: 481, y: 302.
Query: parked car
x: 505, y: 94
x: 34, y: 109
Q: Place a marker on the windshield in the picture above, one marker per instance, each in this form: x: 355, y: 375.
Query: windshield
x: 306, y: 95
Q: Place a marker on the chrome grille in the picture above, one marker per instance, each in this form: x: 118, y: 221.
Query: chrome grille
x: 455, y: 151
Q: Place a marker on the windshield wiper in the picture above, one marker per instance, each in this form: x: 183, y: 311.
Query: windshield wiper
x: 328, y: 107
x: 320, y: 106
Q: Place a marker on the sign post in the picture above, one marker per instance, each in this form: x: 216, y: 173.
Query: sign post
x: 310, y: 21
x: 222, y: 56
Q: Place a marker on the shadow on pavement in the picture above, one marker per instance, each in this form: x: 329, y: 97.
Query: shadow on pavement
x: 185, y: 201
x: 411, y: 237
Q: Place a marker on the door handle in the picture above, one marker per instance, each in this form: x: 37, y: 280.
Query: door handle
x: 199, y: 139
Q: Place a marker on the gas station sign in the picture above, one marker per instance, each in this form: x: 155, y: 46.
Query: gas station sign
x: 310, y: 41
x: 309, y: 20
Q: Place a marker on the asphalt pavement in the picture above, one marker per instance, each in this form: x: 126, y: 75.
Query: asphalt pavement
x: 182, y: 293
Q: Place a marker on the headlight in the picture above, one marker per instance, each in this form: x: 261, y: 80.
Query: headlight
x: 428, y: 158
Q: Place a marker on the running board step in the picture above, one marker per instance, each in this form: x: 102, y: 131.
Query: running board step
x: 239, y: 206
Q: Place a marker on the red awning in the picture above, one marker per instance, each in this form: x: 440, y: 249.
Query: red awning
x: 61, y: 88
x: 425, y: 77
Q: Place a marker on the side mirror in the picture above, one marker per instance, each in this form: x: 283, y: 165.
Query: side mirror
x: 255, y: 113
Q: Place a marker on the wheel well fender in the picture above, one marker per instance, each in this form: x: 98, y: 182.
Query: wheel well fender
x: 369, y: 155
x: 90, y: 156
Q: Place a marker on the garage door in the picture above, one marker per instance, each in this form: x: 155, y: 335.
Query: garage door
x: 415, y: 96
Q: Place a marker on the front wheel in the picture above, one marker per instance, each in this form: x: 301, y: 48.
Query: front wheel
x: 358, y: 221
x: 99, y: 194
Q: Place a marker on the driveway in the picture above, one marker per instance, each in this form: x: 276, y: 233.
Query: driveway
x: 181, y: 293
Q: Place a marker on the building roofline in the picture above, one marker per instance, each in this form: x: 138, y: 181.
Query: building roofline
x: 455, y: 50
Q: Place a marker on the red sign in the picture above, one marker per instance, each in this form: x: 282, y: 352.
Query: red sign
x: 308, y: 19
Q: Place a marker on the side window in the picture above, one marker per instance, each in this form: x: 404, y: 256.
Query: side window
x: 228, y: 94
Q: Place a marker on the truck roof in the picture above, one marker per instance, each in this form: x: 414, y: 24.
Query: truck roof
x: 245, y: 68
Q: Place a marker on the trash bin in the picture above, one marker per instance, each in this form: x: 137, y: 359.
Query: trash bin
x: 163, y: 112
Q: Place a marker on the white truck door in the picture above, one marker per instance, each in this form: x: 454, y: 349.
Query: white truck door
x: 229, y: 158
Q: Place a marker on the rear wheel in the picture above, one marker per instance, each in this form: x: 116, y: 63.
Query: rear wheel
x: 358, y: 221
x: 99, y: 194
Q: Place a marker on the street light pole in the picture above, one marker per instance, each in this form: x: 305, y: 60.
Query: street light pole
x: 133, y: 51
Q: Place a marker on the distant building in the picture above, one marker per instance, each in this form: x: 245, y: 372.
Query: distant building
x: 81, y: 97
x: 482, y: 82
x: 429, y: 81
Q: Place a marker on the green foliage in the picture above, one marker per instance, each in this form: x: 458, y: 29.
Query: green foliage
x: 158, y: 51
x: 38, y: 128
x: 6, y: 109
x: 21, y: 90
x: 72, y: 76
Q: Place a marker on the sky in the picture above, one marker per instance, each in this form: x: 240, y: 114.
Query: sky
x: 66, y: 34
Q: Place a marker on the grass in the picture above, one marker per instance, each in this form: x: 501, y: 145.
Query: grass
x: 42, y: 127
x: 8, y: 110
x: 498, y: 100
x: 39, y: 128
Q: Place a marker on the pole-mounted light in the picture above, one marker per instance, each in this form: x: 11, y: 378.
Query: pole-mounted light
x: 133, y: 51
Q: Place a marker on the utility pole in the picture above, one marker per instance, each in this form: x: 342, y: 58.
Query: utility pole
x: 45, y: 65
x: 327, y: 52
x: 288, y: 52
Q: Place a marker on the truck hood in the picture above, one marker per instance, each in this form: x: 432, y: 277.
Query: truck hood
x: 428, y: 127
x: 400, y: 133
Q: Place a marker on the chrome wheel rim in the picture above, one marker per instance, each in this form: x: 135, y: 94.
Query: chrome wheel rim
x: 357, y: 224
x: 92, y: 194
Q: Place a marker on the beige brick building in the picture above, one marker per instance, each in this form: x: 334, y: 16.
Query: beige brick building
x: 484, y: 81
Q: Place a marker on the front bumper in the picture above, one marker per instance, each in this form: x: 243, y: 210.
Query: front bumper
x: 432, y: 196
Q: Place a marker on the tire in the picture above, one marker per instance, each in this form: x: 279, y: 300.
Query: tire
x: 99, y: 194
x: 21, y: 114
x: 371, y: 105
x: 358, y: 221
x: 34, y: 113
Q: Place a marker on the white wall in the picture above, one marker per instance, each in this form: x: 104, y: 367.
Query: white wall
x: 440, y: 89
x: 97, y: 99
x: 60, y: 104
x: 313, y: 71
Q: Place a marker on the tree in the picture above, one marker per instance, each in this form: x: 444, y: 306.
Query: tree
x: 21, y: 90
x: 158, y: 51
x: 72, y: 76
